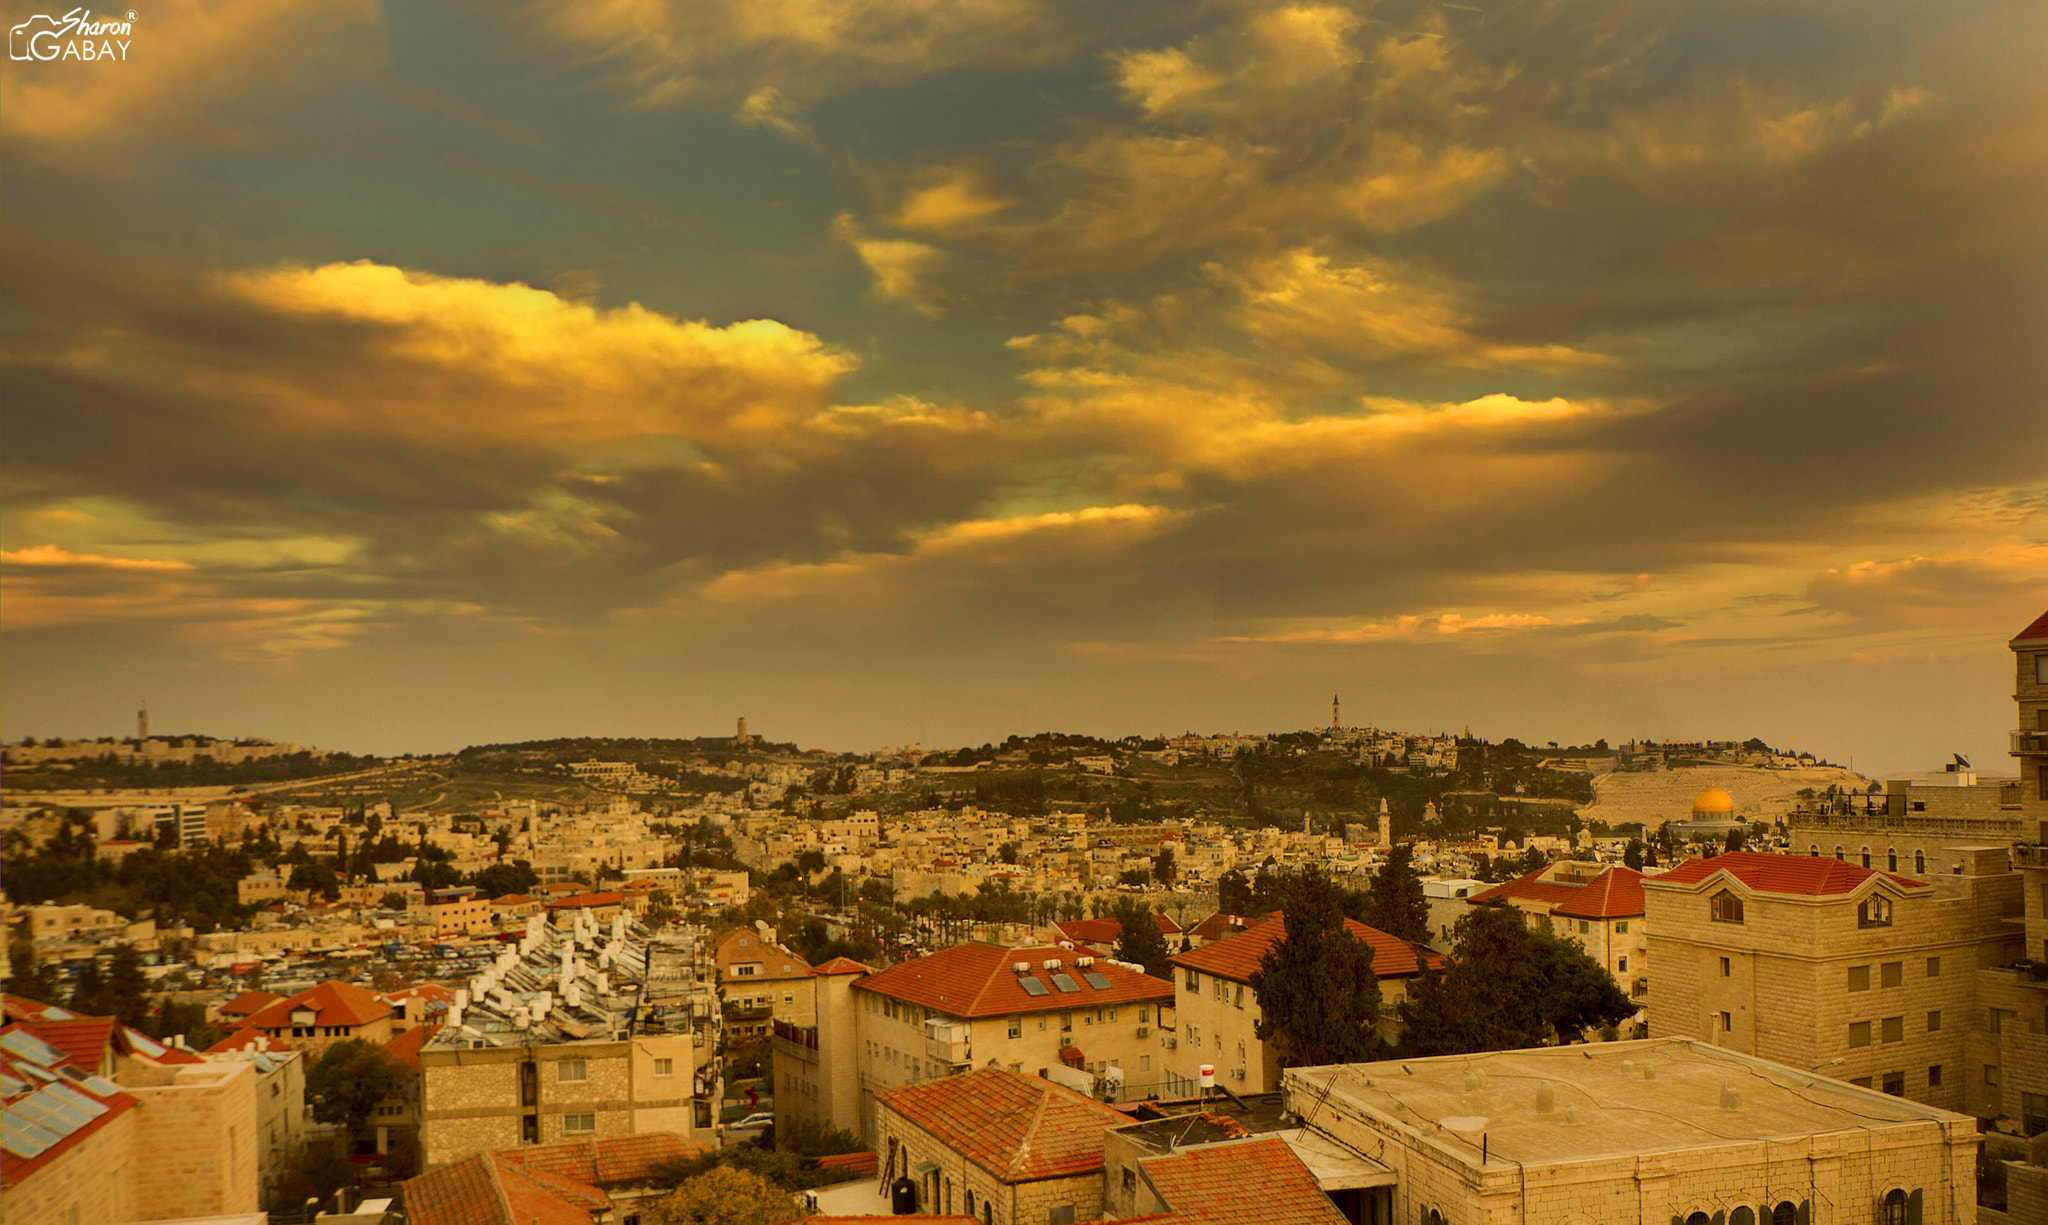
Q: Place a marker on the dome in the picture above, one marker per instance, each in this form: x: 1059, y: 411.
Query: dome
x: 1713, y: 799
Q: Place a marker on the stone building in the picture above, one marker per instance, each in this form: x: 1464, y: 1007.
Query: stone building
x: 549, y: 1044
x: 1871, y: 977
x: 1927, y: 824
x: 1216, y: 1010
x: 1001, y: 1147
x: 1623, y: 1133
x: 761, y: 982
x: 1599, y: 909
x: 321, y: 1016
x: 460, y: 911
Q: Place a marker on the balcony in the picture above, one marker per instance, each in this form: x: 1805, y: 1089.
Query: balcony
x: 2029, y: 743
x: 2030, y: 855
x: 947, y: 1042
x: 799, y: 1042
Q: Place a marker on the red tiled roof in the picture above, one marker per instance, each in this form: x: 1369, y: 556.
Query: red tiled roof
x: 485, y: 1190
x: 1616, y: 893
x: 1019, y: 1128
x: 2039, y: 629
x: 1108, y: 931
x: 607, y: 1161
x: 1237, y: 957
x: 512, y: 899
x: 333, y: 1002
x: 246, y: 1039
x: 15, y: 1170
x: 1219, y: 925
x: 160, y: 1053
x: 1249, y: 1182
x: 978, y: 980
x: 22, y: 1008
x: 405, y: 1048
x: 841, y: 965
x: 248, y: 1004
x: 82, y: 1040
x: 588, y: 901
x: 1810, y: 875
x: 853, y: 1165
x: 908, y: 1218
x: 1533, y: 887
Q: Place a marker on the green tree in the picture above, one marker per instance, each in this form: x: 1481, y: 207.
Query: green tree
x: 1007, y: 852
x: 89, y: 993
x: 1633, y: 856
x: 345, y: 1084
x: 393, y: 900
x: 1507, y: 987
x: 28, y: 976
x: 1738, y: 840
x: 1139, y: 939
x: 1162, y: 864
x: 126, y: 994
x: 1318, y: 998
x: 1396, y: 904
x: 724, y: 1195
x: 1233, y: 893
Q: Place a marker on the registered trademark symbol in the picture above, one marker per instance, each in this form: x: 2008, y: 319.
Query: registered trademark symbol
x: 131, y: 14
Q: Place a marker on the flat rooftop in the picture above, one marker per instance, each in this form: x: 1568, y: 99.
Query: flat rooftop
x: 1566, y: 1103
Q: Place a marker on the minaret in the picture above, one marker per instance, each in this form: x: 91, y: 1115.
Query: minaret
x: 1335, y: 721
x: 742, y: 737
x: 1386, y: 824
x: 142, y: 722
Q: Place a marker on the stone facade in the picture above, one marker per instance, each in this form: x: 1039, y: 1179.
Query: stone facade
x: 483, y: 1100
x: 1805, y: 980
x: 196, y: 1140
x: 949, y: 1183
x: 92, y: 1184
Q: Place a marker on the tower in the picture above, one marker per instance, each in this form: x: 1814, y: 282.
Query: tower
x: 741, y: 738
x: 1386, y: 824
x: 1335, y: 721
x: 142, y: 723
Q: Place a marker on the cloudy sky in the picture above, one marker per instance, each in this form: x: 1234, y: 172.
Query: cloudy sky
x: 396, y: 377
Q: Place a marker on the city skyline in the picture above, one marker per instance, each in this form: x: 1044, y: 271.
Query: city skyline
x: 393, y: 378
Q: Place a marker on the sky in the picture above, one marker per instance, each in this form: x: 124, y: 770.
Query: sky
x: 396, y: 377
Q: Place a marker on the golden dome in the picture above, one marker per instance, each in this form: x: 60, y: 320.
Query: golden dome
x: 1713, y: 799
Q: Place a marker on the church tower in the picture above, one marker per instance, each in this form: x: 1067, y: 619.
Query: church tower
x: 1336, y: 723
x: 142, y: 723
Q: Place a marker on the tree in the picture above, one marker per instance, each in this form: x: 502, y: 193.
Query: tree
x: 1318, y: 998
x: 1738, y: 840
x: 126, y: 995
x: 29, y: 976
x: 348, y: 1080
x: 1508, y: 986
x: 723, y: 1195
x: 1162, y: 864
x: 1396, y: 904
x: 1140, y: 940
x: 393, y: 900
x: 1633, y: 856
x: 1007, y: 852
x: 1233, y: 893
x: 1135, y: 877
x: 88, y: 994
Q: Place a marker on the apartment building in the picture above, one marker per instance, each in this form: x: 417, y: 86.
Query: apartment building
x: 460, y: 911
x: 1828, y: 966
x: 1216, y: 1010
x: 1598, y: 908
x: 761, y: 982
x: 1042, y: 1010
x: 321, y: 1016
x: 2022, y: 988
x: 1623, y: 1133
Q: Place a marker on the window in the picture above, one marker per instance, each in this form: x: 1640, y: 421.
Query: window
x: 1861, y: 1082
x: 1130, y: 1180
x: 1874, y: 911
x: 745, y: 971
x: 1240, y: 995
x: 1934, y: 967
x: 1934, y: 1076
x: 2034, y: 1113
x: 1866, y: 856
x: 664, y: 1067
x: 1895, y: 1207
x: 1727, y: 1023
x: 1725, y: 907
x: 1621, y: 965
x: 529, y: 1129
x: 1786, y: 1213
x: 1991, y: 1074
x: 1194, y: 980
x: 1066, y: 1022
x: 1742, y: 1215
x: 1859, y: 978
x: 579, y: 1122
x: 1891, y: 858
x: 1016, y: 1027
x: 1584, y: 927
x: 1859, y: 1033
x: 1145, y: 1015
x: 1895, y: 1083
x: 572, y: 1070
x: 1920, y: 861
x: 1144, y: 1063
x: 1621, y: 927
x: 1891, y: 974
x: 1838, y: 851
x: 1060, y: 1214
x: 1933, y: 1020
x: 1726, y: 967
x: 1892, y: 1029
x: 1999, y: 1016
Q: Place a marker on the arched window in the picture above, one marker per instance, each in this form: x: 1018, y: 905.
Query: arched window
x: 1838, y: 852
x: 1814, y: 850
x: 1725, y: 907
x: 1699, y: 1218
x: 1866, y: 856
x: 1742, y: 1214
x: 1432, y: 1217
x: 1786, y: 1213
x: 1920, y: 862
x: 1892, y: 859
x: 1874, y: 911
x: 1895, y: 1208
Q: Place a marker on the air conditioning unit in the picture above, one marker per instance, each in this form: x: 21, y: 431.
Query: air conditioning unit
x: 1172, y: 1042
x: 1237, y: 1073
x: 1144, y: 1031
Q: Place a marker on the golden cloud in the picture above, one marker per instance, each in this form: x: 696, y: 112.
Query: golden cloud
x: 52, y: 555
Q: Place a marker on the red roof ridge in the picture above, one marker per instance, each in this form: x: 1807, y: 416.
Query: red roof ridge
x: 2039, y: 629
